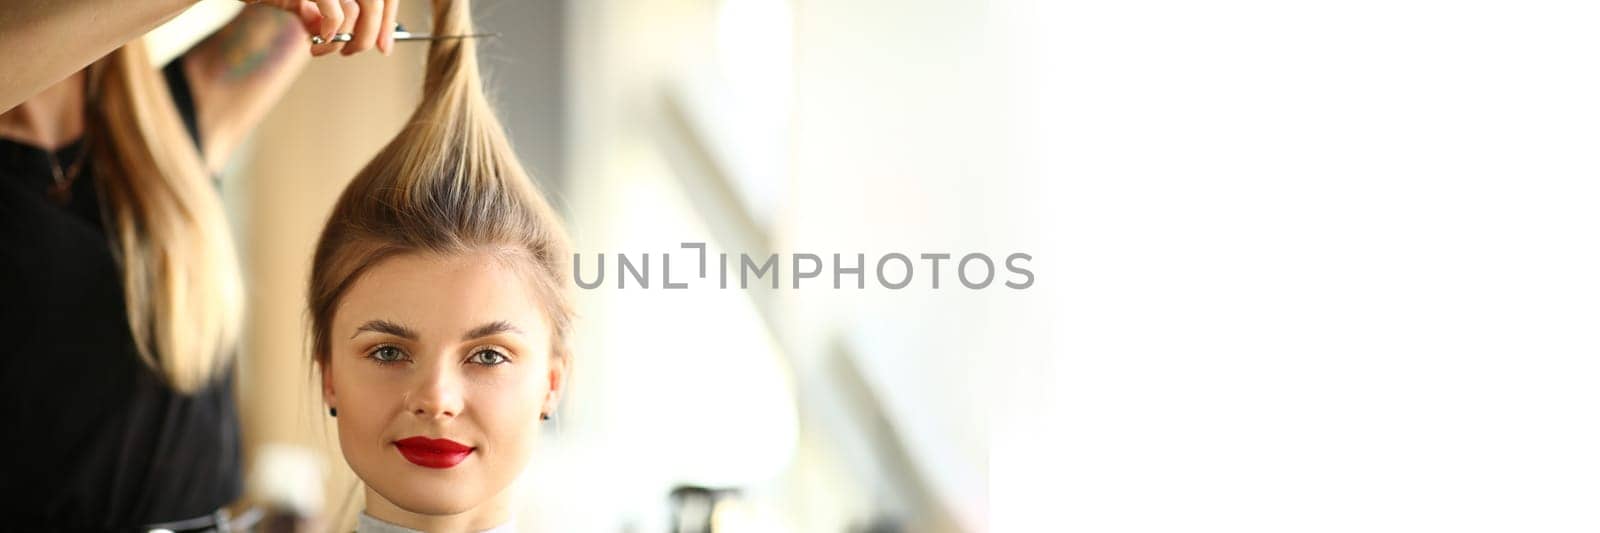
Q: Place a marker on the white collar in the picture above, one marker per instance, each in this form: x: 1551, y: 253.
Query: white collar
x: 365, y: 523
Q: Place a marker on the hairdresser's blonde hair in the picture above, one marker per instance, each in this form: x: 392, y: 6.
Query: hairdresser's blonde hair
x: 448, y: 183
x: 165, y: 221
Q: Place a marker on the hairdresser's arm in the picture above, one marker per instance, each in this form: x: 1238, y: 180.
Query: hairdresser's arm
x: 44, y: 41
x: 239, y: 72
x: 242, y: 70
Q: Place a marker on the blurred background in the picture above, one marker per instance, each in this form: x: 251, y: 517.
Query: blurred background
x: 756, y: 127
x: 1332, y: 263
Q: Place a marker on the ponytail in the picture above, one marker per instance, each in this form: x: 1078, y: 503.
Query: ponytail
x: 448, y: 183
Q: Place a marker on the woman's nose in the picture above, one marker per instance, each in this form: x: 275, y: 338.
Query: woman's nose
x: 437, y: 395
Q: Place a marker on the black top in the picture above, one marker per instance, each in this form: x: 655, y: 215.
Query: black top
x: 92, y: 438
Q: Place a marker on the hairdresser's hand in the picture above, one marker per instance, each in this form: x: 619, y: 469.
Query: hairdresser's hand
x: 370, y: 22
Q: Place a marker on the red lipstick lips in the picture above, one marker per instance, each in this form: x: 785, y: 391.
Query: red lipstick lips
x: 433, y: 453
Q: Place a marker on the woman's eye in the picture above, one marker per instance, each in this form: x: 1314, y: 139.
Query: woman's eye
x: 488, y: 357
x: 388, y: 354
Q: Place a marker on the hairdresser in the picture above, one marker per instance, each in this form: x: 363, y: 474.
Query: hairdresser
x: 120, y: 297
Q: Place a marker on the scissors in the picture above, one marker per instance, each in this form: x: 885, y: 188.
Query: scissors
x: 402, y: 34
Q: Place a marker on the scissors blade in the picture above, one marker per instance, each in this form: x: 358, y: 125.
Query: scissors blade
x: 403, y: 35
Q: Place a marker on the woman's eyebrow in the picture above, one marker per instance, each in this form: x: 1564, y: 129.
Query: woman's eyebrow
x: 491, y: 328
x: 385, y: 326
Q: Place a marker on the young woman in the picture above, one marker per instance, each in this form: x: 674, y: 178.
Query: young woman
x: 122, y: 297
x: 439, y: 311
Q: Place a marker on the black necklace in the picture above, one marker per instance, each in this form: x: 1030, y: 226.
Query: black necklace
x: 61, y: 188
x: 62, y: 179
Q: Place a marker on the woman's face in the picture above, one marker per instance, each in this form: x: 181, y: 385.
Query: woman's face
x: 440, y: 367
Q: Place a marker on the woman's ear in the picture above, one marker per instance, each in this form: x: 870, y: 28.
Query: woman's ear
x: 327, y: 384
x: 558, y: 383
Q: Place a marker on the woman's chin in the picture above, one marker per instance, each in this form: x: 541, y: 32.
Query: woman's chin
x: 426, y: 496
x: 429, y: 491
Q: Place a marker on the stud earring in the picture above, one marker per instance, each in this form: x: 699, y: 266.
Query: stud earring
x: 544, y: 416
x: 333, y: 411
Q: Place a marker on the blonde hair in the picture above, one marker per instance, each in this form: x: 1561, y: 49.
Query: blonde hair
x: 448, y: 183
x: 165, y: 221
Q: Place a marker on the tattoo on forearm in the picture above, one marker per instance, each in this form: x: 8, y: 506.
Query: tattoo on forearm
x: 256, y: 39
